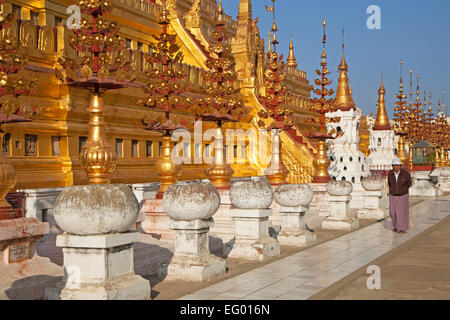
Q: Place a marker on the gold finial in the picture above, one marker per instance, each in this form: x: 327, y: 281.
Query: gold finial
x: 220, y: 12
x: 429, y: 102
x: 291, y: 60
x: 401, y: 76
x: 343, y: 66
x: 270, y: 42
x: 343, y: 100
x: 418, y: 90
x: 382, y: 120
x: 410, y: 89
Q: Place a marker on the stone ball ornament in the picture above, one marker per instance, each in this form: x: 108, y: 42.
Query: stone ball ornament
x: 251, y: 194
x: 96, y: 209
x: 372, y: 183
x: 339, y: 188
x: 190, y: 201
x: 293, y: 195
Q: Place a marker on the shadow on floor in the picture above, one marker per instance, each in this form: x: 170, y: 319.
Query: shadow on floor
x: 31, y: 288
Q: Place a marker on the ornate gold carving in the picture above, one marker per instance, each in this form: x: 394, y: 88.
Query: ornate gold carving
x: 46, y: 40
x: 28, y: 35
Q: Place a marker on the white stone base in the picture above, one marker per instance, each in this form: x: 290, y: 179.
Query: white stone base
x: 223, y: 227
x: 444, y: 184
x: 192, y: 260
x: 195, y: 270
x: 320, y: 202
x: 255, y: 250
x: 340, y: 218
x: 293, y: 230
x: 347, y: 224
x: 252, y: 235
x: 127, y: 287
x: 374, y: 206
x: 99, y: 267
x: 424, y: 188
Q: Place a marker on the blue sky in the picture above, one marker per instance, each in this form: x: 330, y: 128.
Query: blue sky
x: 416, y: 31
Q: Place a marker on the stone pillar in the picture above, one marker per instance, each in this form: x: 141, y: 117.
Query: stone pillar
x: 293, y: 229
x: 223, y: 221
x: 375, y: 205
x: 97, y: 244
x: 191, y: 207
x: 294, y: 200
x: 320, y: 202
x: 339, y: 199
x: 251, y: 201
x: 99, y: 267
x: 192, y: 260
x: 422, y: 185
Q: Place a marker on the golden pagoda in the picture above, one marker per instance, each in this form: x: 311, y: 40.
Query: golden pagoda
x: 343, y: 99
x: 382, y: 120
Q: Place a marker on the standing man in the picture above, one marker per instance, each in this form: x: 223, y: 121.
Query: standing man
x: 399, y: 182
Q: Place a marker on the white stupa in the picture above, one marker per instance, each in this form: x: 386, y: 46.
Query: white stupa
x: 382, y: 148
x: 347, y: 161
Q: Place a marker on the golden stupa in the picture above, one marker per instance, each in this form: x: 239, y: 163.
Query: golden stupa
x: 382, y: 120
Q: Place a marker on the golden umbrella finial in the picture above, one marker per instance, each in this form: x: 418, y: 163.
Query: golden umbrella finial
x: 382, y: 121
x: 410, y: 89
x: 343, y: 100
x: 291, y: 60
x: 270, y: 42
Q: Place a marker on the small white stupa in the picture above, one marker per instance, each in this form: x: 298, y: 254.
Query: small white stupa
x: 382, y: 149
x: 347, y: 161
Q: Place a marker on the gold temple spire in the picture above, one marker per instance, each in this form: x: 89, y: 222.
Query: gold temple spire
x: 410, y: 89
x: 382, y: 120
x: 291, y: 60
x: 270, y: 43
x: 343, y: 100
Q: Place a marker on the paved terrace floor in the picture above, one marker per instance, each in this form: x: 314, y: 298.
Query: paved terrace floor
x: 310, y: 271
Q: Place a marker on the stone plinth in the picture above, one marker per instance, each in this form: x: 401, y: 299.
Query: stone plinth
x: 192, y: 260
x: 340, y: 215
x: 374, y: 207
x: 99, y: 267
x: 444, y: 184
x: 252, y: 235
x: 223, y: 226
x: 422, y: 185
x: 293, y: 229
x: 18, y: 239
x: 155, y: 220
x: 320, y: 203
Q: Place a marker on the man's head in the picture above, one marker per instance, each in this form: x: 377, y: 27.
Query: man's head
x: 396, y: 164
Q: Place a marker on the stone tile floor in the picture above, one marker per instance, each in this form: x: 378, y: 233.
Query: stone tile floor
x: 308, y: 272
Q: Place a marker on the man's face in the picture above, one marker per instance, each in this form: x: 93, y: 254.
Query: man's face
x: 396, y: 167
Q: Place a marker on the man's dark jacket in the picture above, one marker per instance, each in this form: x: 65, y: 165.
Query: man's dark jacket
x: 400, y: 187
